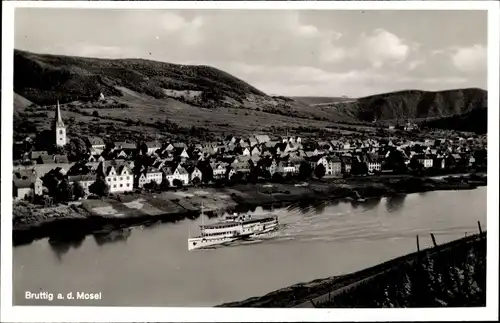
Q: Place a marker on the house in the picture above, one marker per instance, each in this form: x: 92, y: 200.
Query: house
x: 194, y: 173
x: 346, y: 164
x: 61, y: 159
x: 181, y: 152
x: 34, y: 155
x: 426, y: 160
x: 255, y: 151
x: 262, y: 139
x: 152, y: 175
x: 151, y: 147
x: 96, y: 145
x: 118, y: 178
x: 219, y: 170
x: 127, y: 146
x: 84, y: 180
x: 45, y: 159
x: 246, y: 152
x: 334, y: 166
x: 181, y: 174
x: 252, y: 141
x: 286, y: 167
x: 316, y: 160
x: 25, y: 188
x: 373, y: 163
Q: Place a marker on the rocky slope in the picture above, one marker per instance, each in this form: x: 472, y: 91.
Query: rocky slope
x: 414, y: 104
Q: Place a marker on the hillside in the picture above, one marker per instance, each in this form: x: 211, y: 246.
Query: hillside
x: 45, y: 78
x: 472, y: 121
x: 155, y: 98
x: 413, y: 104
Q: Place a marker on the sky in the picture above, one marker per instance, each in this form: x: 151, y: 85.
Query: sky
x: 281, y: 52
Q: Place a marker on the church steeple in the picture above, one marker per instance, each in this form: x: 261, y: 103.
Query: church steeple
x: 58, y: 122
x: 59, y: 128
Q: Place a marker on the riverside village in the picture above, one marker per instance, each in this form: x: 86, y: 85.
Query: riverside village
x: 105, y: 167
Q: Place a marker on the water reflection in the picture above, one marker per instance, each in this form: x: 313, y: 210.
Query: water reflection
x: 105, y: 237
x: 371, y: 203
x: 395, y: 203
x: 320, y: 207
x: 61, y: 245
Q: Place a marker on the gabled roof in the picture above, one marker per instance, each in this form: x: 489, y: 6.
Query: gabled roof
x: 181, y: 170
x: 23, y: 183
x: 37, y: 153
x: 95, y: 141
x: 61, y: 159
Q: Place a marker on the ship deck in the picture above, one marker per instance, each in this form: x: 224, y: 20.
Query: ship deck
x: 228, y: 223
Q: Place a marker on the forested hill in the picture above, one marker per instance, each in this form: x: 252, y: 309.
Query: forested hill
x: 414, y: 104
x: 43, y: 79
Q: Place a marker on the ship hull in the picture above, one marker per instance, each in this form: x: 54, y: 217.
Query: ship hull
x: 205, y: 242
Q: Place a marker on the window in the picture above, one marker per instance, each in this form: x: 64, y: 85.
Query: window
x: 114, y: 186
x: 121, y: 178
x: 121, y: 185
x: 128, y: 185
x: 128, y: 177
x: 114, y: 179
x: 60, y: 132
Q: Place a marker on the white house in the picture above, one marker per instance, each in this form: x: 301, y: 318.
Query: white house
x: 119, y: 179
x: 426, y: 161
x: 219, y: 170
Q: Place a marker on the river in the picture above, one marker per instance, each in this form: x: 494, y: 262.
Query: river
x: 153, y: 267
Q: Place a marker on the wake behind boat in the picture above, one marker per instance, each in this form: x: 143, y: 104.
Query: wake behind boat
x: 231, y: 228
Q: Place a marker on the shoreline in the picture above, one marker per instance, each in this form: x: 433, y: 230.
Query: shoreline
x: 347, y: 290
x: 77, y: 221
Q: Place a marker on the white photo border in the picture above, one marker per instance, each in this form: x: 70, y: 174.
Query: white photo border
x: 11, y: 313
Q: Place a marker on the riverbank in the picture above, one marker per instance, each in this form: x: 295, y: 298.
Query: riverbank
x: 31, y: 222
x: 452, y: 274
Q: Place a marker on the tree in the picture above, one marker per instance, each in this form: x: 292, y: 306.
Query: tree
x: 196, y: 180
x: 99, y: 187
x: 320, y: 171
x: 207, y: 172
x: 359, y: 168
x: 277, y: 178
x: 165, y: 184
x: 95, y: 114
x: 305, y: 170
x: 76, y: 149
x: 151, y: 185
x: 395, y: 161
x: 51, y: 181
x: 177, y: 183
x: 78, y: 191
x: 236, y: 178
x: 79, y: 168
x: 64, y: 191
x: 415, y: 164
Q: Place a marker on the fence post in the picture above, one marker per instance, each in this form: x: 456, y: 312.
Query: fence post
x: 479, y: 226
x: 418, y: 244
x: 433, y: 240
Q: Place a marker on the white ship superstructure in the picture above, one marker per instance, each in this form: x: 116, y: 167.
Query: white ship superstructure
x: 232, y: 228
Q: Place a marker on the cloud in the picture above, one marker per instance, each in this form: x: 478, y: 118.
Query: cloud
x: 308, y: 80
x: 470, y: 59
x: 412, y: 65
x: 382, y: 47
